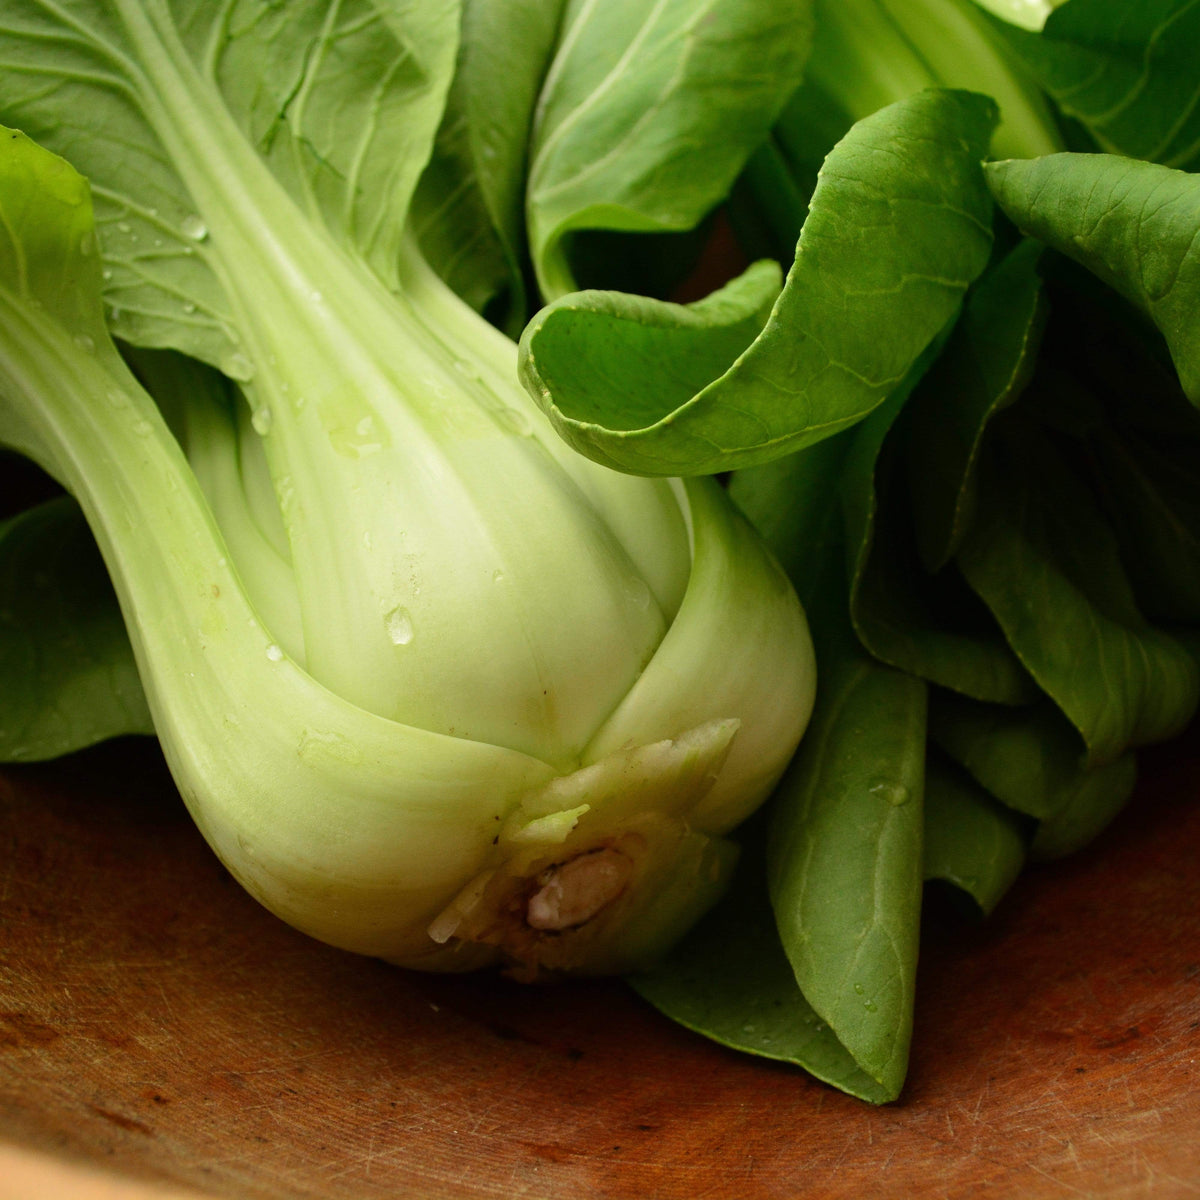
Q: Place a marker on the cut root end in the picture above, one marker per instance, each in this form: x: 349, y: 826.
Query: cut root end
x: 573, y: 892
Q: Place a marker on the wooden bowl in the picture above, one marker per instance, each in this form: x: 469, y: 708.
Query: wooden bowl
x: 155, y: 1022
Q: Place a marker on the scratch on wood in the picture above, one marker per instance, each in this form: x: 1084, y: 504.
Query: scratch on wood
x: 121, y: 1121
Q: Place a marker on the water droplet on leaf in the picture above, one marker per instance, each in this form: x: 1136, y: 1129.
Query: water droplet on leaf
x: 193, y: 227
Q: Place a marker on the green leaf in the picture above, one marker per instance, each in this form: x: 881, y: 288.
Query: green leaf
x: 48, y: 262
x: 971, y: 841
x: 730, y: 980
x: 930, y: 626
x: 677, y: 93
x: 1034, y: 762
x: 67, y: 674
x: 844, y: 855
x: 982, y: 370
x: 1155, y: 513
x: 468, y: 210
x: 899, y: 227
x: 1133, y: 224
x: 342, y: 102
x: 1042, y: 558
x: 792, y: 502
x: 1127, y: 71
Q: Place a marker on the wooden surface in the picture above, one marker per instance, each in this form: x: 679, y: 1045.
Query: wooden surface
x: 155, y: 1021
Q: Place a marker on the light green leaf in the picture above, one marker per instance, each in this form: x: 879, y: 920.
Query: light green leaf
x: 844, y: 855
x: 67, y: 675
x: 48, y: 262
x: 341, y: 101
x: 649, y: 112
x: 1046, y: 564
x: 1025, y: 14
x: 1127, y: 71
x: 971, y: 841
x: 1133, y: 224
x: 899, y: 227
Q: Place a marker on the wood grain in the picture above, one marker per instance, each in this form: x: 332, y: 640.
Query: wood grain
x: 155, y: 1021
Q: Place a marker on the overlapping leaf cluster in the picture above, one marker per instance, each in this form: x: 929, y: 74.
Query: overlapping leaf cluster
x: 979, y: 463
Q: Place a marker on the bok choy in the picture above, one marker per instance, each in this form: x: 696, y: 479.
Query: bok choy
x: 434, y: 687
x: 465, y: 651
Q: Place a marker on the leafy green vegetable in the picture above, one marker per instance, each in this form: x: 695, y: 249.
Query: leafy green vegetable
x: 433, y: 687
x: 868, y: 54
x: 985, y: 366
x: 929, y: 627
x: 1034, y: 762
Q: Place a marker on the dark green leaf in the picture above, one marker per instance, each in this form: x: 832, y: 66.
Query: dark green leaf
x: 1126, y: 71
x: 984, y: 367
x: 730, y: 980
x: 1155, y: 511
x: 929, y: 626
x: 1133, y: 224
x: 67, y: 674
x: 1043, y: 560
x: 844, y: 856
x: 971, y: 841
x: 1034, y: 762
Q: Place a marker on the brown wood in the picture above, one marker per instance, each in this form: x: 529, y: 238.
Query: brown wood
x: 154, y: 1019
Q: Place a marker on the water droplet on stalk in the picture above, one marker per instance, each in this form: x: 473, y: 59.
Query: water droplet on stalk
x: 237, y: 366
x: 399, y: 626
x: 893, y: 792
x: 515, y: 421
x: 637, y: 591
